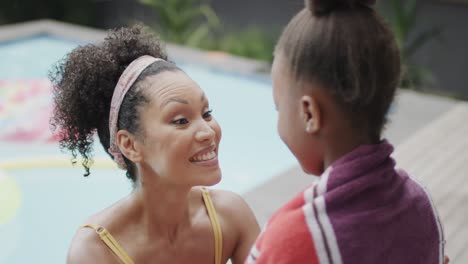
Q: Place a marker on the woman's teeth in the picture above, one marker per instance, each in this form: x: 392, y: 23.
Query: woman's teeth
x: 204, y: 157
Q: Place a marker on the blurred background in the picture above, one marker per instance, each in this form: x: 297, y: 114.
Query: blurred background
x: 226, y: 47
x: 432, y: 34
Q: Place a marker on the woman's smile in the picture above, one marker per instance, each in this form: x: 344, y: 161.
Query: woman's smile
x: 207, y: 157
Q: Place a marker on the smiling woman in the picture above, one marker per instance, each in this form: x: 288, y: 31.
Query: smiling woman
x: 155, y: 122
x: 51, y: 187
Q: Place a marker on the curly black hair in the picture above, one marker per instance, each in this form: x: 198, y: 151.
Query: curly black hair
x: 345, y: 46
x: 83, y: 85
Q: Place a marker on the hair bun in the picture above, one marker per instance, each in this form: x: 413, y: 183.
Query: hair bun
x: 322, y: 7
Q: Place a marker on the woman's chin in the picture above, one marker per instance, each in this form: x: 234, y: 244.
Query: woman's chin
x: 211, y: 179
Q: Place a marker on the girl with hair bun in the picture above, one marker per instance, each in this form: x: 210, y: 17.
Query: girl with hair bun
x: 155, y: 122
x: 335, y: 72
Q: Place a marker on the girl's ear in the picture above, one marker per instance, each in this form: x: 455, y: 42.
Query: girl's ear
x: 311, y: 114
x: 129, y: 146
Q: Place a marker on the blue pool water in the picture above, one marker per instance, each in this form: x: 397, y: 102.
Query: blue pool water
x: 45, y: 199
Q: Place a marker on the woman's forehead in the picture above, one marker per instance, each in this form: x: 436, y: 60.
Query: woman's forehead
x: 173, y: 86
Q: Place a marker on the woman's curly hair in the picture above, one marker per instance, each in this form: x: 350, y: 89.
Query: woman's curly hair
x: 83, y: 85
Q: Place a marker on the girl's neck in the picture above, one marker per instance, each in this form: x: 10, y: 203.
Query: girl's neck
x: 341, y: 143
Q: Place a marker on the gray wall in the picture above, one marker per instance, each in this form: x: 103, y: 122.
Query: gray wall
x: 448, y: 59
x: 271, y: 15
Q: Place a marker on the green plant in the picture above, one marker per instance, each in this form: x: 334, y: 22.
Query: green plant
x: 251, y: 42
x: 187, y: 22
x: 402, y: 17
x: 194, y: 23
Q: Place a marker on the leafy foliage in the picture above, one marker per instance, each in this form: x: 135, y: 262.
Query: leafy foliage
x: 194, y: 23
x: 403, y: 18
x: 186, y: 22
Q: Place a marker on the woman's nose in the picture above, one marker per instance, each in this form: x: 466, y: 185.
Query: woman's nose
x: 205, y: 132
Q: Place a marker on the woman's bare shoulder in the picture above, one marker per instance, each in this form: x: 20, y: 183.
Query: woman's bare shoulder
x: 237, y: 214
x: 234, y: 210
x: 87, y: 247
x: 230, y: 203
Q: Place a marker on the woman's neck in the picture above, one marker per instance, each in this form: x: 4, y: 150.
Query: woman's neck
x: 164, y: 209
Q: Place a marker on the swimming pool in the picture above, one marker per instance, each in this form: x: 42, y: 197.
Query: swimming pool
x: 43, y: 198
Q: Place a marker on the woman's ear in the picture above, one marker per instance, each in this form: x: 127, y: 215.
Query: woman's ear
x: 129, y: 146
x: 311, y: 114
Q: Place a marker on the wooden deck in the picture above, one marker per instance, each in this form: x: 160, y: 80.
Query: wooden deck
x: 438, y: 157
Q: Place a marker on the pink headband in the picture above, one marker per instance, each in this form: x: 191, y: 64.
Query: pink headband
x: 126, y: 81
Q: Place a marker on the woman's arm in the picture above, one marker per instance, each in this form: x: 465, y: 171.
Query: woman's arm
x: 249, y: 231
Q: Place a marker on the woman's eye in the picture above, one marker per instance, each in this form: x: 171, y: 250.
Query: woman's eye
x: 207, y: 114
x: 180, y: 121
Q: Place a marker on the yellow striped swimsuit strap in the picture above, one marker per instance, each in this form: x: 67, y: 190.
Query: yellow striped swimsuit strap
x: 218, y: 235
x: 111, y: 243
